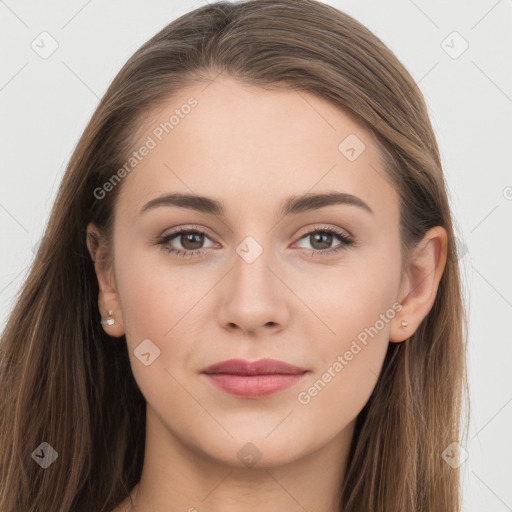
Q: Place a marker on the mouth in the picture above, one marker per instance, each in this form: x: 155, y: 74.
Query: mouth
x: 253, y: 379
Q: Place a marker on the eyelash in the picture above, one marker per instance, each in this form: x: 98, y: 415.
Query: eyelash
x: 164, y: 240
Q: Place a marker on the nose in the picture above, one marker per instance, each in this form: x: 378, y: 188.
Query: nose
x: 253, y: 298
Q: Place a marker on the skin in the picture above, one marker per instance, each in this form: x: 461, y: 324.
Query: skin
x: 252, y: 148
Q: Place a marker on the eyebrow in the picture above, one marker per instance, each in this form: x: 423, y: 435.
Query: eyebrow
x: 291, y: 206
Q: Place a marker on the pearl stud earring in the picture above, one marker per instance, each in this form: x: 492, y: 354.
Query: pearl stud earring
x: 109, y: 320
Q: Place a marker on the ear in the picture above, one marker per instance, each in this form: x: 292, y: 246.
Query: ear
x: 421, y: 281
x: 107, y: 298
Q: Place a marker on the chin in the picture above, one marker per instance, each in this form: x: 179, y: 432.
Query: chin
x: 255, y: 450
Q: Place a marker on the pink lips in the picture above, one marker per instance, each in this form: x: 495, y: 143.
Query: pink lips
x: 253, y: 379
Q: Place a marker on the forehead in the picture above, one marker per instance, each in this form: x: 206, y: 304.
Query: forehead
x: 231, y: 141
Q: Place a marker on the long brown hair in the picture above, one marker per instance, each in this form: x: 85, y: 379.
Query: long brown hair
x: 65, y: 382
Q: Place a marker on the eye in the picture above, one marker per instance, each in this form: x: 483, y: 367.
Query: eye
x: 322, y: 238
x: 190, y: 239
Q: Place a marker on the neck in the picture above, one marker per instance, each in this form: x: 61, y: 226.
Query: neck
x: 177, y: 477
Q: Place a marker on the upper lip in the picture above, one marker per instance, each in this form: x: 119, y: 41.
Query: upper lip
x: 260, y: 367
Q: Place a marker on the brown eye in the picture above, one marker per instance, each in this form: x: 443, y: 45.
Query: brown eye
x: 322, y: 239
x: 191, y: 240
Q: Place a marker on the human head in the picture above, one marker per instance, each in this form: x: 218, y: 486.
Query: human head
x: 325, y: 53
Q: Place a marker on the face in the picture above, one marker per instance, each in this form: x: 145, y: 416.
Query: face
x: 315, y: 285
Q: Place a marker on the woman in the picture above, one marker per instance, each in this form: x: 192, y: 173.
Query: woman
x: 176, y: 345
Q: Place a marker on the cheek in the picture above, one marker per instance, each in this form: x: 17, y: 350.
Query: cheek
x: 359, y: 311
x: 349, y: 301
x: 153, y: 295
x: 160, y: 308
x: 337, y: 391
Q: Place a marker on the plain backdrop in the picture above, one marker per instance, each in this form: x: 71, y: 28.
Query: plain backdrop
x: 458, y: 52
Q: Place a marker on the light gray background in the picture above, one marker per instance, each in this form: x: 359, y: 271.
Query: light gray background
x: 45, y: 104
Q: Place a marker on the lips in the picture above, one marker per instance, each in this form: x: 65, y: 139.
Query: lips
x: 261, y: 367
x: 255, y: 379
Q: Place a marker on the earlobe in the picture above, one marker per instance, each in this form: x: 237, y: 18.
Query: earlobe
x: 111, y: 325
x: 423, y: 274
x: 400, y: 330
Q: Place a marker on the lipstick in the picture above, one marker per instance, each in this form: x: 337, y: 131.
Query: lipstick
x: 255, y: 379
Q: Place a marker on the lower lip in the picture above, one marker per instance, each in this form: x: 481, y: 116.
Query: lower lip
x: 253, y: 386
